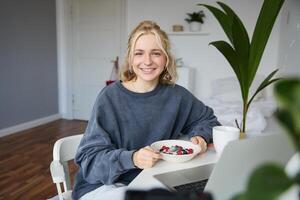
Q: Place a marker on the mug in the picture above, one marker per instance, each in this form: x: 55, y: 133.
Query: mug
x: 222, y: 135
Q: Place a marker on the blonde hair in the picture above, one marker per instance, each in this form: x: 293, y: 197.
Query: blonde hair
x: 169, y: 75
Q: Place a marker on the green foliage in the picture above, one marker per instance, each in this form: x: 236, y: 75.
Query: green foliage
x: 195, y: 17
x: 270, y: 180
x: 287, y: 94
x: 266, y: 183
x: 244, y: 56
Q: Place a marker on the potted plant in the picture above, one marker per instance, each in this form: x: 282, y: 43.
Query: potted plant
x: 271, y: 181
x: 242, y: 54
x: 195, y: 19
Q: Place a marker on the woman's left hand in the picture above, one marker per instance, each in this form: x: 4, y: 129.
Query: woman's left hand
x: 201, y: 142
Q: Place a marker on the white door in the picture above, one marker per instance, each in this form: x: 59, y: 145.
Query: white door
x: 96, y: 42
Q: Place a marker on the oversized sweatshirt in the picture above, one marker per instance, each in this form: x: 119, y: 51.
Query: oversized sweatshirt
x: 123, y: 121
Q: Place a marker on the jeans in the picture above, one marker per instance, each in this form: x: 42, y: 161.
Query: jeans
x: 107, y: 192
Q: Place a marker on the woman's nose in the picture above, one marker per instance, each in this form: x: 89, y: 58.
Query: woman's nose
x: 147, y: 60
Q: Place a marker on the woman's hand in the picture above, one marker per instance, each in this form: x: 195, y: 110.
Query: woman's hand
x: 201, y: 142
x: 145, y: 158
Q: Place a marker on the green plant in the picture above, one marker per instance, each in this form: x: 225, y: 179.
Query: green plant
x: 195, y: 17
x: 269, y: 181
x: 287, y: 93
x: 244, y: 56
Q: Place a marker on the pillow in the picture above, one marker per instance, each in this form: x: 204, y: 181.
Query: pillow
x: 228, y: 89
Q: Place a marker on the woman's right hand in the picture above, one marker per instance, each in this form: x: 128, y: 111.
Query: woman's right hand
x: 145, y: 157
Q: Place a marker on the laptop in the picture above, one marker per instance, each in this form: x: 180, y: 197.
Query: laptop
x: 230, y: 174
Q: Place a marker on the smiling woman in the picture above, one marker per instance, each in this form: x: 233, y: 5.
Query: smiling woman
x: 149, y: 53
x: 129, y: 115
x: 148, y: 63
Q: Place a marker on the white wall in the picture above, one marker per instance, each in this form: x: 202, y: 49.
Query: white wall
x: 208, y: 63
x: 289, y: 49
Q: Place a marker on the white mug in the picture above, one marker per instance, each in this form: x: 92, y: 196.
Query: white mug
x: 222, y: 135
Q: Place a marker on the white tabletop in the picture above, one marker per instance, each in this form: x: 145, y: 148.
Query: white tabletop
x: 146, y: 180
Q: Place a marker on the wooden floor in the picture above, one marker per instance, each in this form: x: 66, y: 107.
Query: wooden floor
x: 25, y: 158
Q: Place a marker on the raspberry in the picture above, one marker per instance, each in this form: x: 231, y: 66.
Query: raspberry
x: 189, y: 151
x: 176, y: 150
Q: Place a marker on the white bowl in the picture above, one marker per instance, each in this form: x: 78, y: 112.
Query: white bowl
x: 176, y: 158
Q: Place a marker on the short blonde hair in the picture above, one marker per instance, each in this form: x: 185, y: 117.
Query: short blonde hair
x: 169, y: 75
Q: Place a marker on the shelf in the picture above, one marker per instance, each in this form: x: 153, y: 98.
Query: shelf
x: 188, y: 33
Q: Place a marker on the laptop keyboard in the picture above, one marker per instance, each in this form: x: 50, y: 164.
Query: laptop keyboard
x: 195, y: 186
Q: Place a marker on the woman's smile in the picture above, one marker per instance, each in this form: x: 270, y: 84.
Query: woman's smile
x: 148, y: 59
x: 147, y: 70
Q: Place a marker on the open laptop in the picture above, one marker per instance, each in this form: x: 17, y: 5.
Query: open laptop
x: 230, y: 174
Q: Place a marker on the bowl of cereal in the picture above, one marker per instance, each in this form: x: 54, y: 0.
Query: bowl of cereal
x: 176, y: 150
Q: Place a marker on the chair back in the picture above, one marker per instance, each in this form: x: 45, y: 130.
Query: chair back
x: 64, y: 150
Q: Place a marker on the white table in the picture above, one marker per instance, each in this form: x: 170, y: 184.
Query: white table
x: 146, y: 180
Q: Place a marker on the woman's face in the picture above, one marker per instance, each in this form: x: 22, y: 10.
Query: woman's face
x: 148, y: 59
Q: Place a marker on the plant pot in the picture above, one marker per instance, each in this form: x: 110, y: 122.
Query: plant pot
x: 195, y: 26
x: 242, y: 135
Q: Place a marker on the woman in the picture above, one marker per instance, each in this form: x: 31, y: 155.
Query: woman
x: 129, y: 115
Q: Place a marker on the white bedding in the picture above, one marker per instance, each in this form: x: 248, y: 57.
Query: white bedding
x: 227, y: 112
x: 227, y: 105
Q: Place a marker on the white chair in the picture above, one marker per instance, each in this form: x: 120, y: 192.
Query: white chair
x: 64, y: 150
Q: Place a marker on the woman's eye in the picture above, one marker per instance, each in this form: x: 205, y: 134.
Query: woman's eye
x: 138, y: 53
x: 156, y: 53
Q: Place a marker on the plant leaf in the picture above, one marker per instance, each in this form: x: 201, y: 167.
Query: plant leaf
x: 268, y: 182
x: 297, y: 178
x: 223, y: 19
x: 229, y: 53
x: 287, y: 120
x: 287, y: 93
x: 262, y: 31
x: 241, y: 44
x: 230, y: 13
x: 264, y: 84
x: 240, y: 36
x: 241, y: 196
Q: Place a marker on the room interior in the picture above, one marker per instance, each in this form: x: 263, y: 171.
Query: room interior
x: 50, y: 57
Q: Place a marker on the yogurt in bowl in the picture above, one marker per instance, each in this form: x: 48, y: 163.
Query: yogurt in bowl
x: 176, y: 150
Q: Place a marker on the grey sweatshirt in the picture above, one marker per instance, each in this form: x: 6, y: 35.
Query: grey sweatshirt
x: 123, y: 122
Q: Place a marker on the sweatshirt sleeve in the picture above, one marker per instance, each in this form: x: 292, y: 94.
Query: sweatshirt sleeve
x: 98, y: 157
x: 200, y: 120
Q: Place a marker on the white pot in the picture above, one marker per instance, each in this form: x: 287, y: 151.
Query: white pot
x: 195, y: 26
